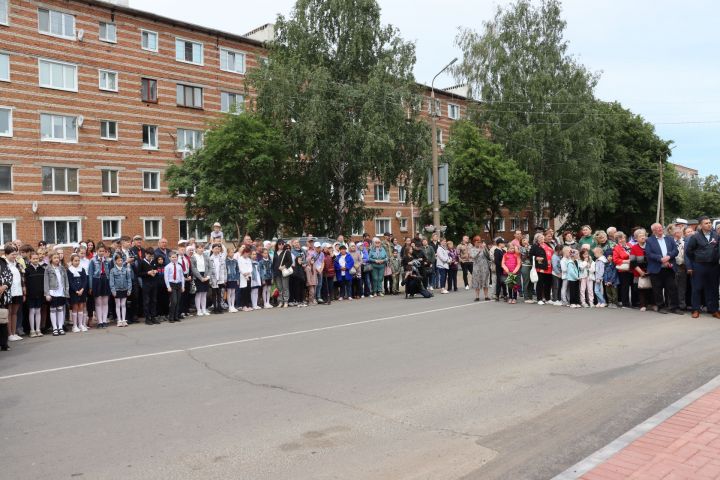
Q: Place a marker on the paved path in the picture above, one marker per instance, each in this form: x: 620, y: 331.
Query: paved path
x: 374, y: 389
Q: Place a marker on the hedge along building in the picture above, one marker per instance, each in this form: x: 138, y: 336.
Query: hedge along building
x: 96, y: 99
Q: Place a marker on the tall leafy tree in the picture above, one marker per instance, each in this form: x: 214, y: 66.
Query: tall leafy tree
x: 537, y: 102
x: 340, y: 85
x: 483, y: 180
x: 243, y: 177
x: 702, y: 197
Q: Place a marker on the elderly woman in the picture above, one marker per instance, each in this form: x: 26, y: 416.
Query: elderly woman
x: 480, y: 256
x: 378, y: 259
x: 621, y: 259
x: 638, y: 265
x: 541, y: 254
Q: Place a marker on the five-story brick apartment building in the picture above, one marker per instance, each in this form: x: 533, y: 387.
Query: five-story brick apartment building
x: 96, y: 99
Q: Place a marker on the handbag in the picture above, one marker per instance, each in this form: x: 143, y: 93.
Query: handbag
x: 533, y: 273
x: 623, y: 267
x: 644, y: 282
x: 193, y: 288
x: 353, y: 271
x: 3, y: 316
x: 286, y: 271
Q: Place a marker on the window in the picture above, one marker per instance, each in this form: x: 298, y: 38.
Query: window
x: 454, y: 111
x: 58, y: 128
x: 109, y: 182
x: 5, y: 179
x: 4, y: 66
x: 150, y: 137
x: 148, y: 90
x: 4, y: 19
x: 108, y: 130
x: 151, y: 181
x: 382, y: 226
x: 58, y: 75
x: 439, y: 138
x: 153, y: 229
x: 111, y: 229
x: 186, y: 192
x: 231, y: 61
x: 61, y: 231
x: 188, y: 96
x: 545, y: 223
x: 526, y: 224
x: 108, y: 80
x: 486, y: 225
x: 192, y: 229
x: 108, y: 32
x: 514, y: 224
x: 437, y: 107
x: 402, y: 194
x: 149, y: 40
x: 7, y: 227
x: 6, y: 129
x: 499, y: 224
x: 59, y: 24
x: 231, y: 102
x: 188, y: 51
x: 59, y: 180
x: 403, y: 224
x: 189, y: 139
x: 382, y: 194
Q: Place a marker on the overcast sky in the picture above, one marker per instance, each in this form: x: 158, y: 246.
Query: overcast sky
x: 660, y: 58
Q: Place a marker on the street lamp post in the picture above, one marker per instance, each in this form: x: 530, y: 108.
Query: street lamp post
x: 435, y: 167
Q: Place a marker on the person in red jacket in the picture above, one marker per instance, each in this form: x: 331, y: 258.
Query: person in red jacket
x: 621, y: 259
x: 328, y: 284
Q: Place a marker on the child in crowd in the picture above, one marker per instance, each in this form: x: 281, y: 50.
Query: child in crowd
x: 255, y: 279
x: 397, y: 270
x: 587, y: 272
x: 597, y: 277
x: 35, y: 293
x: 453, y: 267
x: 120, y: 285
x: 564, y: 260
x: 246, y: 269
x: 216, y: 235
x: 200, y: 262
x: 100, y: 284
x: 218, y: 276
x: 149, y: 275
x: 511, y: 267
x: 56, y: 293
x: 266, y: 274
x: 498, y: 255
x: 162, y: 297
x: 611, y: 279
x: 78, y: 286
x: 573, y: 279
x: 557, y: 275
x: 174, y: 283
x: 233, y: 276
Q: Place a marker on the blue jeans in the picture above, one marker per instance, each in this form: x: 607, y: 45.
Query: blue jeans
x: 367, y: 280
x: 346, y: 288
x: 318, y: 288
x: 599, y: 293
x: 442, y: 276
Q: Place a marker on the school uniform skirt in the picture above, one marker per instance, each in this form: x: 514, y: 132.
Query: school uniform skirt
x: 202, y: 287
x: 101, y: 287
x: 231, y: 285
x: 35, y: 302
x: 121, y: 293
x: 57, y: 302
x: 75, y: 298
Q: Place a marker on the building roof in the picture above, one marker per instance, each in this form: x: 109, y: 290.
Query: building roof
x: 159, y: 18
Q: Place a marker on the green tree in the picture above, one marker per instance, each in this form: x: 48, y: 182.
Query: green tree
x: 340, y: 85
x: 243, y: 177
x: 483, y: 181
x: 537, y: 102
x: 703, y: 197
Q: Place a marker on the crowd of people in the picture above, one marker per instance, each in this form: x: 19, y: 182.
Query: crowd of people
x: 44, y: 292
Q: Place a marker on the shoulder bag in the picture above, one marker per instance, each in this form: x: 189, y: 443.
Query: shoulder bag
x: 286, y: 271
x: 533, y: 273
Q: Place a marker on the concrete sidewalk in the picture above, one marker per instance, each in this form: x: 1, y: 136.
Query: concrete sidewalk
x: 684, y: 446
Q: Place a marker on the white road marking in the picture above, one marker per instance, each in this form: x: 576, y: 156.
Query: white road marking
x: 233, y: 342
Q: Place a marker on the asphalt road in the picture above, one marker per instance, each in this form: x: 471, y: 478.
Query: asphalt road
x: 374, y: 389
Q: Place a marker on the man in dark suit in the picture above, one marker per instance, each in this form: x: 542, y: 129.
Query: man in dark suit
x: 661, y: 252
x: 701, y: 258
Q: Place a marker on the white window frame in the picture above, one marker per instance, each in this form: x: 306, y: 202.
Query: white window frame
x: 195, y: 139
x: 385, y: 191
x: 62, y: 219
x: 545, y: 222
x: 456, y: 108
x: 383, y: 219
x: 65, y: 64
x: 151, y: 172
x: 156, y: 137
x: 152, y: 219
x: 107, y: 40
x: 403, y: 224
x: 500, y: 227
x: 514, y: 224
x: 119, y: 221
x: 2, y: 165
x: 236, y: 53
x: 59, y: 140
x: 109, y: 171
x: 105, y: 137
x: 402, y: 194
x: 6, y: 57
x: 197, y: 237
x: 202, y: 51
x: 149, y: 79
x: 64, y: 35
x: 9, y: 134
x: 157, y: 40
x: 239, y: 106
x: 5, y: 10
x: 526, y: 224
x: 193, y: 88
x: 102, y: 71
x: 52, y: 180
x: 13, y: 227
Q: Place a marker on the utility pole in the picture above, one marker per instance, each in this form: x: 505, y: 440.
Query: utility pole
x: 435, y: 172
x: 660, y: 217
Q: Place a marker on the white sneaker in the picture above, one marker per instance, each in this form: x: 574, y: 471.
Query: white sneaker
x: 14, y: 338
x: 268, y: 306
x: 232, y: 310
x: 444, y: 291
x: 257, y: 308
x: 430, y: 288
x: 541, y: 302
x: 206, y: 313
x: 76, y: 330
x: 83, y: 328
x: 467, y: 287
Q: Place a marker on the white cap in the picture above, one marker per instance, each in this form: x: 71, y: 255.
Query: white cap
x: 681, y: 220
